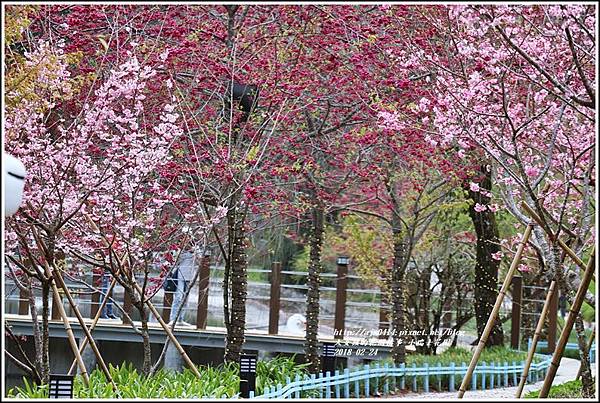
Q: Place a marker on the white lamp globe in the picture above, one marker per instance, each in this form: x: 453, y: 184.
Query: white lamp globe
x: 14, y: 182
x: 296, y: 324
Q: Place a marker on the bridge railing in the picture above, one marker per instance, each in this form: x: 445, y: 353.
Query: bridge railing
x: 273, y: 289
x: 379, y: 380
x: 345, y: 299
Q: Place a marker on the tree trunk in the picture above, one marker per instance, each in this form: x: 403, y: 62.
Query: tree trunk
x: 397, y: 285
x: 45, y: 332
x: 486, y: 268
x: 312, y: 296
x: 238, y: 262
x: 586, y: 374
x: 37, y: 337
x: 147, y: 363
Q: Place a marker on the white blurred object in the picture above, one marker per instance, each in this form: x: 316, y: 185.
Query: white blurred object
x: 296, y: 324
x: 14, y: 182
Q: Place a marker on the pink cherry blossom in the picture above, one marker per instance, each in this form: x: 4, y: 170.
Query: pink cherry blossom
x: 497, y: 255
x: 479, y: 207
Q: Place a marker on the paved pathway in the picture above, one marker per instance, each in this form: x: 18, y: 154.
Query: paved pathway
x: 566, y: 372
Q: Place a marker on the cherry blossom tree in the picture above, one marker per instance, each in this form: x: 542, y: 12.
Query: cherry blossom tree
x: 517, y: 84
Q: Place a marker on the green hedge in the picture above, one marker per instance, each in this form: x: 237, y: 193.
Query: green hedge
x: 571, y: 389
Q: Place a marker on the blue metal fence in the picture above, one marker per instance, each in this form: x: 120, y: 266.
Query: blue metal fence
x: 373, y: 381
x: 570, y: 346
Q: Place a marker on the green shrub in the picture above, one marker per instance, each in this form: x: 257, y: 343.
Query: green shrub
x: 215, y: 382
x: 571, y: 389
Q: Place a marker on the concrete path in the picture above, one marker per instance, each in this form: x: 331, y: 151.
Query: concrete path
x: 566, y: 372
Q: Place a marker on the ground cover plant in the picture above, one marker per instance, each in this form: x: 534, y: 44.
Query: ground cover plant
x: 216, y: 382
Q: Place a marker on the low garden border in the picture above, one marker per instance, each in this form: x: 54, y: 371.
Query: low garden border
x: 372, y: 381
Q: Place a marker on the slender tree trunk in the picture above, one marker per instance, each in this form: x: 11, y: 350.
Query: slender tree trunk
x: 147, y: 363
x: 37, y: 337
x: 313, y: 295
x: 398, y: 287
x: 238, y: 262
x: 586, y: 374
x: 486, y: 267
x: 45, y: 332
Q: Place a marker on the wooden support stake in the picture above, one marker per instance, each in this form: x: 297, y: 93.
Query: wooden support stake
x: 94, y: 321
x: 68, y: 330
x: 490, y: 323
x: 275, y: 298
x: 517, y: 305
x: 536, y: 336
x: 564, y: 336
x: 588, y: 348
x: 156, y: 314
x: 166, y: 328
x: 58, y: 279
x: 203, y: 288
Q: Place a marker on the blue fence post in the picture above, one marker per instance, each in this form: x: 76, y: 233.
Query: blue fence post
x: 474, y: 379
x: 505, y: 374
x: 483, y: 369
x: 426, y: 378
x: 297, y: 392
x: 347, y: 383
x: 313, y: 378
x: 514, y: 370
x: 451, y: 379
x: 251, y: 394
x: 492, y: 375
x: 327, y: 385
x: 403, y: 377
x: 279, y: 387
x: 367, y: 386
x: 386, y: 383
x: 376, y: 389
x: 498, y: 374
x: 439, y: 377
x: 414, y: 368
x: 356, y: 388
x: 336, y: 376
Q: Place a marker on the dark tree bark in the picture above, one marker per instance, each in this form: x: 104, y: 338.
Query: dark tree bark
x: 314, y: 279
x: 147, y: 362
x: 397, y: 286
x: 486, y: 268
x: 586, y: 374
x: 237, y: 262
x: 45, y: 332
